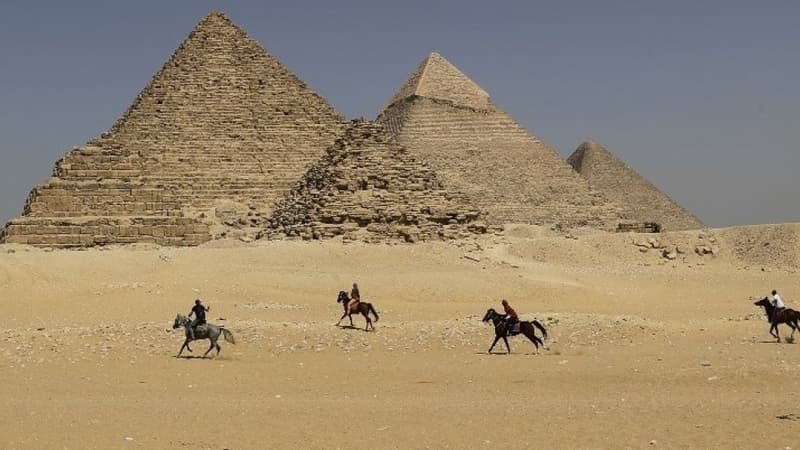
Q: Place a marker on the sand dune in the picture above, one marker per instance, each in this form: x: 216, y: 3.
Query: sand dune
x: 644, y: 350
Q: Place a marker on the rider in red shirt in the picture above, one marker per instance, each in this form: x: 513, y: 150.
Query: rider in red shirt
x: 511, y: 316
x: 355, y: 297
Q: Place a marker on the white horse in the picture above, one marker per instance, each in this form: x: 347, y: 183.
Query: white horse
x: 205, y: 331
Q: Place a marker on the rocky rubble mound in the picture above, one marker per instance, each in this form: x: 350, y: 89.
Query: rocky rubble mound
x: 673, y: 246
x: 770, y: 246
x: 367, y: 187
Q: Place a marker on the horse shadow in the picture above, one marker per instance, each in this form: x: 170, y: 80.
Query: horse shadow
x: 354, y: 328
x: 773, y: 342
x: 507, y: 354
x: 200, y: 357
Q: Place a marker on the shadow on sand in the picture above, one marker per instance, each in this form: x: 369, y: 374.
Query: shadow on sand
x: 352, y: 327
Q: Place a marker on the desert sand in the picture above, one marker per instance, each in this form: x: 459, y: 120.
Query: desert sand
x: 644, y: 351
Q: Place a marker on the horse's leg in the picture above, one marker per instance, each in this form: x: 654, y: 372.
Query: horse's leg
x: 340, y: 319
x: 777, y: 333
x: 185, y: 345
x: 771, y: 328
x: 209, y: 347
x: 508, y: 349
x: 496, y: 338
x: 369, y: 322
x: 350, y: 316
x: 531, y: 335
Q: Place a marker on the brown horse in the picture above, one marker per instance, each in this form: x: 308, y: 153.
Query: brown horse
x: 525, y: 327
x: 362, y: 307
x: 787, y: 315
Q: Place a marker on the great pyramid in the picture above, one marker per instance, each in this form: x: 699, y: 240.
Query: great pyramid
x: 641, y: 200
x: 368, y: 187
x: 447, y: 120
x: 222, y: 122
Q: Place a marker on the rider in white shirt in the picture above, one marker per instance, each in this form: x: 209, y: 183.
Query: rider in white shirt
x: 777, y: 301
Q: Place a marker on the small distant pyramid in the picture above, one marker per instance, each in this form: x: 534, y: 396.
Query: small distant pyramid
x: 447, y: 120
x: 221, y: 122
x: 367, y: 187
x: 639, y: 199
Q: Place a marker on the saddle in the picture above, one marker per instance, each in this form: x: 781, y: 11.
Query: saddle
x: 353, y: 309
x: 513, y: 329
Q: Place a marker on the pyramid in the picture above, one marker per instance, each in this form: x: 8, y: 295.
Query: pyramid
x: 222, y: 122
x: 641, y: 200
x: 446, y: 119
x: 368, y: 187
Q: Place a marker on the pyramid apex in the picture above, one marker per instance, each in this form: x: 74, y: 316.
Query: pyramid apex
x: 579, y: 159
x: 216, y: 15
x: 437, y: 78
x: 592, y: 145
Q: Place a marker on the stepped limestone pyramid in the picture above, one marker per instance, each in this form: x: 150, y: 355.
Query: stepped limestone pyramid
x: 447, y: 120
x: 368, y: 187
x: 222, y: 122
x: 641, y: 200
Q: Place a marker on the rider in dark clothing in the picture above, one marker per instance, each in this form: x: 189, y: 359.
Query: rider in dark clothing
x: 199, y: 311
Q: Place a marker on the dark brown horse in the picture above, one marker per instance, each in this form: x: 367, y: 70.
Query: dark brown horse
x: 362, y: 307
x: 787, y: 315
x: 525, y: 327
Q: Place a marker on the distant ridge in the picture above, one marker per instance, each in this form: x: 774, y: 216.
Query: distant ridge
x: 639, y: 199
x: 447, y: 120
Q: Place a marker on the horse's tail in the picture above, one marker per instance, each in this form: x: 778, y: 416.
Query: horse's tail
x: 538, y: 325
x: 374, y: 313
x: 228, y: 335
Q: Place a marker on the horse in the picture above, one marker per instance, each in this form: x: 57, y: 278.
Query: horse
x: 362, y: 307
x: 525, y: 327
x: 205, y: 331
x: 788, y: 316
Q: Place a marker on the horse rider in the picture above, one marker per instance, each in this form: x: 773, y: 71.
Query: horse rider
x: 355, y: 298
x: 199, y: 311
x: 511, y: 316
x: 777, y: 302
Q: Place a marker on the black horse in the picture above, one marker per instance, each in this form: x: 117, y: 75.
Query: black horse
x: 525, y: 327
x: 787, y: 315
x: 362, y: 307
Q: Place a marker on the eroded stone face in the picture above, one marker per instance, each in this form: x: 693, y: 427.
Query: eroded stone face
x: 367, y: 187
x: 222, y: 122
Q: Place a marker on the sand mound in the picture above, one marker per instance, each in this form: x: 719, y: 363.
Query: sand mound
x: 638, y: 343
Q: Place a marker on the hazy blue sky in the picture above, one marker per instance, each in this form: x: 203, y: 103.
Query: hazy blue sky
x: 700, y: 97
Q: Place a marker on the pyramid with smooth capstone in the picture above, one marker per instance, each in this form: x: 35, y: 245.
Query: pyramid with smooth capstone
x: 447, y: 120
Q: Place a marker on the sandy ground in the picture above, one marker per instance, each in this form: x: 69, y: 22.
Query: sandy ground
x: 644, y: 352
